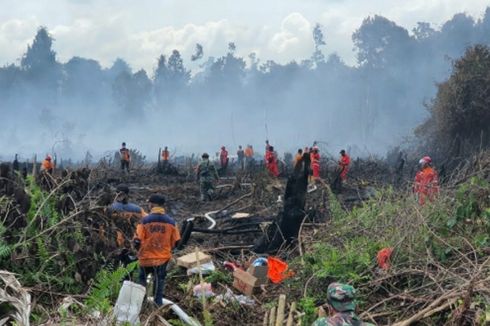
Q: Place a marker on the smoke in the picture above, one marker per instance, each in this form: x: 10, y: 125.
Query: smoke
x: 78, y: 106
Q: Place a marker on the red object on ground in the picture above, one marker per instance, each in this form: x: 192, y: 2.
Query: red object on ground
x: 383, y: 258
x: 344, y: 165
x: 426, y: 184
x: 277, y: 270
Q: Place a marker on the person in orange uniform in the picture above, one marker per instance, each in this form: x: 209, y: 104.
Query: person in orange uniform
x: 47, y: 165
x: 344, y: 164
x: 271, y: 161
x: 249, y: 154
x: 426, y: 184
x: 223, y: 158
x: 315, y: 162
x: 125, y: 157
x: 298, y: 157
x: 165, y: 156
x: 155, y: 238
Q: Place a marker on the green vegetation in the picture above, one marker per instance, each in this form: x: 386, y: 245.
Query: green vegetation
x: 106, y: 286
x: 455, y: 228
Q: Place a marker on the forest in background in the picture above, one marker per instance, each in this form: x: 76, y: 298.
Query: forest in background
x: 77, y: 106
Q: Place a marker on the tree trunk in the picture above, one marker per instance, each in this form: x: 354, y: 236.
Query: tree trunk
x: 288, y: 222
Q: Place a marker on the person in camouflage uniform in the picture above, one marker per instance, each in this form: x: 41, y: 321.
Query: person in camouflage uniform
x: 206, y: 175
x: 341, y: 307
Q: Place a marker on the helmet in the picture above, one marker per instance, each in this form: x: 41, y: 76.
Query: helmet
x: 425, y: 160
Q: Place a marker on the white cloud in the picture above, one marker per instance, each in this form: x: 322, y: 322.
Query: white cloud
x: 140, y: 31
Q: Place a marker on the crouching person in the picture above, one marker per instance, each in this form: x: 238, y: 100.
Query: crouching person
x: 156, y: 236
x: 341, y: 307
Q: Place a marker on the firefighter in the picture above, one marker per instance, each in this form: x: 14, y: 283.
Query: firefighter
x: 249, y: 155
x: 165, y: 157
x: 122, y: 206
x: 426, y: 184
x: 156, y: 236
x: 223, y: 158
x: 125, y: 157
x: 47, y: 165
x: 344, y: 163
x: 298, y: 157
x: 315, y: 162
x: 271, y: 161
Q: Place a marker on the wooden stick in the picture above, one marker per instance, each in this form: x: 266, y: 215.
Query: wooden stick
x: 272, y: 317
x: 266, y: 319
x: 280, y: 310
x: 291, y: 314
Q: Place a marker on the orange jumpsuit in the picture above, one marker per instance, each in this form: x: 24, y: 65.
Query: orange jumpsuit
x: 344, y: 163
x: 297, y: 158
x: 315, y: 164
x: 426, y: 184
x: 47, y: 166
x: 271, y: 163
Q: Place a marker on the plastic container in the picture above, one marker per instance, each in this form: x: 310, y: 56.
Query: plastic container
x: 129, y: 302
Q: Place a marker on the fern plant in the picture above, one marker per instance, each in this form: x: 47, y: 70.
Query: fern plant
x: 5, y: 249
x: 106, y: 287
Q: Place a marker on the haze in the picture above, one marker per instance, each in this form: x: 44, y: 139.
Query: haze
x: 291, y: 90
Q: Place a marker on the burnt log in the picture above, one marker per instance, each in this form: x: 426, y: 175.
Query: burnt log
x: 287, y: 223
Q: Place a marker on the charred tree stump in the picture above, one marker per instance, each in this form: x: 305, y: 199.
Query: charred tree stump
x: 288, y: 222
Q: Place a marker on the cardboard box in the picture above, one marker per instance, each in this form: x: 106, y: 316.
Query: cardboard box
x: 260, y: 273
x: 191, y: 261
x: 244, y: 282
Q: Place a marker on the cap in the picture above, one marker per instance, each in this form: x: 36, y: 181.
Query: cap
x: 341, y: 297
x: 123, y: 189
x: 157, y: 199
x: 205, y: 155
x: 342, y: 151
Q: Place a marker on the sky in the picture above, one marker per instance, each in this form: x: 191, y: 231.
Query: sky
x: 140, y: 31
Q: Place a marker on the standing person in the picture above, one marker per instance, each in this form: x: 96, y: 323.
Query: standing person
x: 47, y: 165
x: 249, y: 154
x: 298, y: 157
x: 241, y: 157
x: 344, y: 163
x: 271, y: 161
x: 341, y: 307
x: 155, y: 238
x: 315, y: 162
x: 267, y: 147
x: 223, y: 158
x: 125, y: 157
x: 206, y: 175
x: 165, y: 157
x: 426, y: 184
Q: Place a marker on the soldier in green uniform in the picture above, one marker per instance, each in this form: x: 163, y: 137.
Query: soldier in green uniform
x: 341, y: 307
x: 206, y: 175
